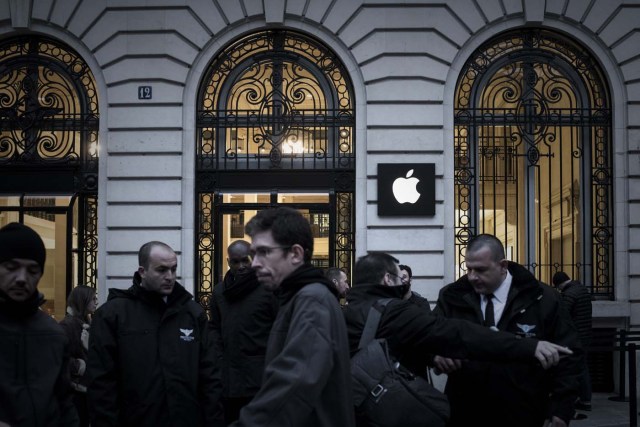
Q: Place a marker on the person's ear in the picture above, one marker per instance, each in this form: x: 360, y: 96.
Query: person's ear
x: 386, y: 279
x: 141, y: 271
x: 298, y: 254
x: 504, y: 264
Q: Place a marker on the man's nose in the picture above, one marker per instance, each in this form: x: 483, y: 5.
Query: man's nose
x: 21, y: 275
x: 254, y: 262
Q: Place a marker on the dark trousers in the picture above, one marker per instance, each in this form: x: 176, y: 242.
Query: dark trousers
x: 82, y: 407
x: 232, y: 407
x: 585, y: 382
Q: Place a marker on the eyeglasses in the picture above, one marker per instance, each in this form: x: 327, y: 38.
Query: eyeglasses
x: 402, y: 279
x: 264, y: 251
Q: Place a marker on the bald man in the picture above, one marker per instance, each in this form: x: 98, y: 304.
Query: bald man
x: 242, y: 312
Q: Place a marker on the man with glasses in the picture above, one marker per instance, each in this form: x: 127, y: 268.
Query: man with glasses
x: 414, y: 334
x: 242, y: 312
x: 307, y: 379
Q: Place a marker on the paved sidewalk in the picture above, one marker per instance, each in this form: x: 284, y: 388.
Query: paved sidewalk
x: 605, y: 413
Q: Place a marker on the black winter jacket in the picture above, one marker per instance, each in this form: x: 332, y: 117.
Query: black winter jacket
x: 151, y: 363
x: 577, y: 299
x: 414, y: 334
x: 34, y: 363
x: 523, y: 394
x: 242, y: 312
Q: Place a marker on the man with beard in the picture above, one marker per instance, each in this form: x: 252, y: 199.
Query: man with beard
x: 340, y: 280
x: 242, y: 312
x: 307, y: 379
x: 151, y: 362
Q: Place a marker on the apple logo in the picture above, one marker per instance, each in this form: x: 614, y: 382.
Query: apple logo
x: 404, y: 189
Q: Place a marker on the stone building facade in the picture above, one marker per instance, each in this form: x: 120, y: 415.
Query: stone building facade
x: 174, y: 90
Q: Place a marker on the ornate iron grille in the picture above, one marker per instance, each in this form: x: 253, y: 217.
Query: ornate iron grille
x: 49, y: 131
x: 275, y: 99
x: 275, y: 113
x: 533, y: 160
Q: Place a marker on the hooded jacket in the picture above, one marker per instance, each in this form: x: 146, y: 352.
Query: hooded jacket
x: 34, y: 363
x: 307, y: 379
x: 151, y: 363
x: 242, y: 312
x: 523, y: 394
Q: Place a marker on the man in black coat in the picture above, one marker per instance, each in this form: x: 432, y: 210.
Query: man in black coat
x: 504, y: 296
x: 307, y: 381
x: 577, y: 299
x: 414, y: 334
x: 34, y: 353
x: 151, y: 362
x: 242, y: 312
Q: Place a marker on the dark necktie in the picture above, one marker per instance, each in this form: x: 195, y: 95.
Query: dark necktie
x: 489, y: 319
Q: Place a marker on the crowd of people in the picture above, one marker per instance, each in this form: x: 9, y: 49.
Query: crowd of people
x: 276, y: 347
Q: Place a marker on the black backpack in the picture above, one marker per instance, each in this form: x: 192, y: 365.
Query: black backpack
x: 385, y: 394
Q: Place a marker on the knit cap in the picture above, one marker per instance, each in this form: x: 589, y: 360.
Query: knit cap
x: 559, y: 278
x: 19, y: 241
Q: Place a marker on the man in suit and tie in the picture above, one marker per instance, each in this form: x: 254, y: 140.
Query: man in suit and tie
x: 505, y: 296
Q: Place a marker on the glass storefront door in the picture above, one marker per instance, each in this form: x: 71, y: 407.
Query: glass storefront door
x: 54, y: 218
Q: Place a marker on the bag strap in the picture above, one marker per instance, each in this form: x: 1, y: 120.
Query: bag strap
x: 373, y: 320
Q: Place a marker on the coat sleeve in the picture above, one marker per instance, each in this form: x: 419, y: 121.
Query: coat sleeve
x: 215, y: 325
x: 68, y: 413
x: 209, y: 381
x: 414, y: 330
x: 102, y: 391
x: 295, y: 377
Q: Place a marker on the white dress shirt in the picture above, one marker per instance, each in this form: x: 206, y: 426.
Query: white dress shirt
x: 499, y: 298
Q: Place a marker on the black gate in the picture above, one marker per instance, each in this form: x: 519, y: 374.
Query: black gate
x: 533, y: 158
x: 275, y: 116
x: 49, y: 147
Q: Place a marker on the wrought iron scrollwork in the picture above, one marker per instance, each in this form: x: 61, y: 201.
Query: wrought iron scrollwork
x: 49, y: 125
x: 276, y: 99
x: 48, y: 106
x: 522, y: 100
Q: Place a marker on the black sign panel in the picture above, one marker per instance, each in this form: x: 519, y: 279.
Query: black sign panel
x: 407, y: 189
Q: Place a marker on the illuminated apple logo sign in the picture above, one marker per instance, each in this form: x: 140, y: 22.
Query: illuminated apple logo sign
x: 406, y: 189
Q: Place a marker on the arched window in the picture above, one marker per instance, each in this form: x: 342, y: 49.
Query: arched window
x: 533, y: 158
x: 49, y: 157
x: 275, y: 125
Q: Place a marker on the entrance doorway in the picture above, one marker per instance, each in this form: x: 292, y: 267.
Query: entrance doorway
x: 238, y: 209
x: 56, y: 220
x: 224, y: 215
x: 275, y: 126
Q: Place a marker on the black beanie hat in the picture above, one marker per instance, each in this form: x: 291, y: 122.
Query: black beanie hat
x: 559, y: 278
x: 19, y: 241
